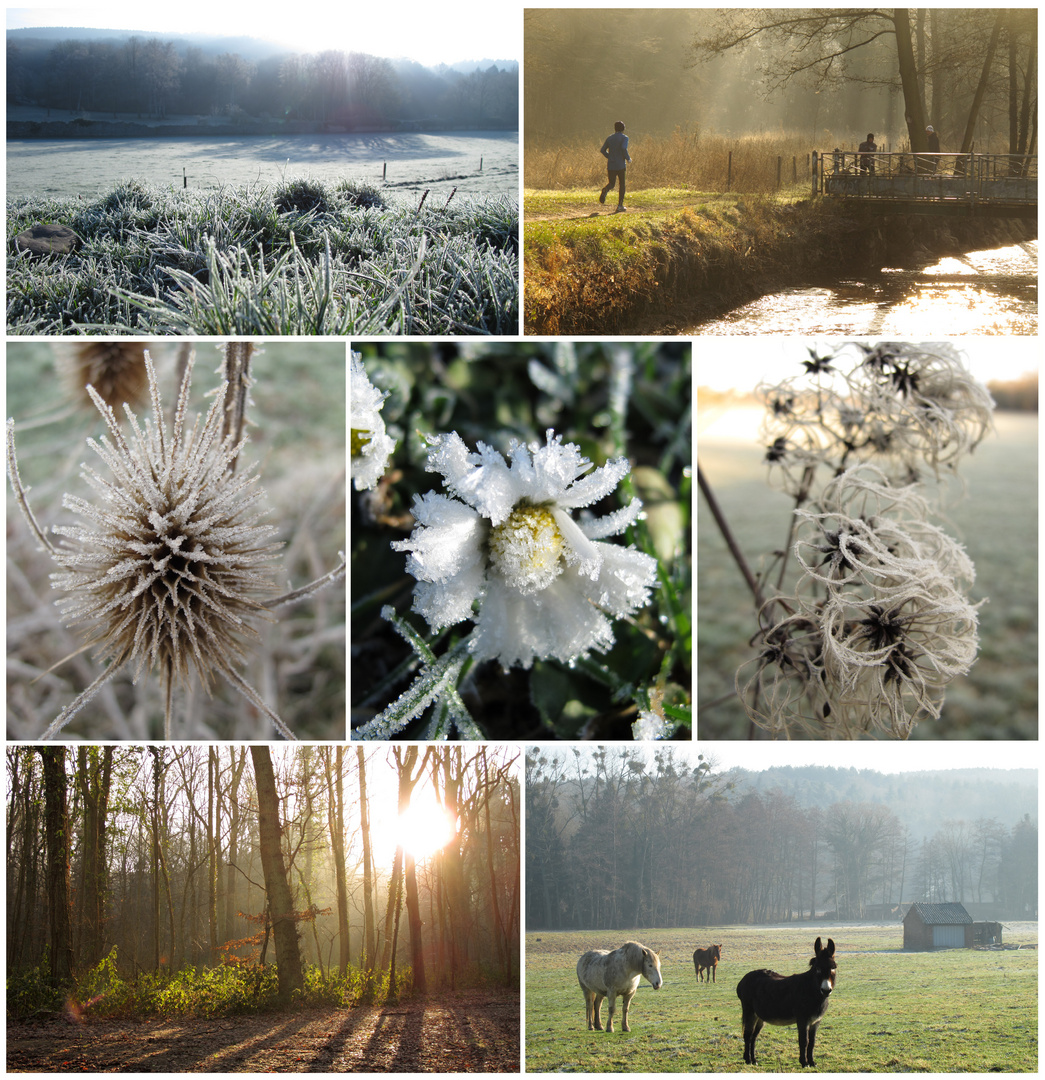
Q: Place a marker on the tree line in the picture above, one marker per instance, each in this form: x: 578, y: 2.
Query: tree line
x: 150, y: 77
x: 165, y: 858
x: 825, y: 72
x: 614, y: 841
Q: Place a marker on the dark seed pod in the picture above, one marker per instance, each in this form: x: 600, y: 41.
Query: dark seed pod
x: 116, y: 370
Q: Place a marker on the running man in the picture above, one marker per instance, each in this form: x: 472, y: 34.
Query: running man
x: 615, y: 151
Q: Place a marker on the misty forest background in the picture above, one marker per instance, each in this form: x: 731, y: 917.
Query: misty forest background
x: 617, y: 840
x: 211, y: 880
x: 810, y: 79
x: 97, y: 74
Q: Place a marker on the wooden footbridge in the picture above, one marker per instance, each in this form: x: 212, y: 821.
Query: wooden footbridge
x: 967, y: 185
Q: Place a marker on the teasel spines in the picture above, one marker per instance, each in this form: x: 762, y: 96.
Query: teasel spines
x: 174, y: 569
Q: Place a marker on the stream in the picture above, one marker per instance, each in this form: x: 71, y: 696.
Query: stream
x: 980, y: 292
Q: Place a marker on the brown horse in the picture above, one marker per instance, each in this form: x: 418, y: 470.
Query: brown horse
x: 707, y: 960
x: 605, y: 974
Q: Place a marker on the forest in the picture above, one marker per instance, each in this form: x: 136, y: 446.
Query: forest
x: 149, y: 77
x: 828, y: 74
x: 188, y: 881
x: 617, y: 839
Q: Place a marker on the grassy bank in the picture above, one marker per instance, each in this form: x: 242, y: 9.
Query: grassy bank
x: 681, y: 256
x: 300, y: 258
x: 958, y: 1010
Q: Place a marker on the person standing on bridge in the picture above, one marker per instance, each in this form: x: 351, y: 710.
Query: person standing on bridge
x: 933, y: 141
x: 615, y: 151
x: 867, y: 151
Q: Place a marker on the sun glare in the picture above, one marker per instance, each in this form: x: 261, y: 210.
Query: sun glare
x: 423, y: 828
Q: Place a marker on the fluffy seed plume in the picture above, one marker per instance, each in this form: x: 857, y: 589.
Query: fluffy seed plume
x: 170, y: 570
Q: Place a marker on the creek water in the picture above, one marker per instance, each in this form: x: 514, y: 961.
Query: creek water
x: 980, y: 292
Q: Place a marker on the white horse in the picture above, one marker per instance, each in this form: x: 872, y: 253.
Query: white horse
x: 605, y: 974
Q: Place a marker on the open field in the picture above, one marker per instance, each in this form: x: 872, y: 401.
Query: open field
x: 893, y: 1011
x: 997, y: 523
x: 410, y: 161
x: 709, y: 162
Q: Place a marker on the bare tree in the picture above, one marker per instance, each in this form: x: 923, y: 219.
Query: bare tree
x: 277, y: 887
x: 56, y: 835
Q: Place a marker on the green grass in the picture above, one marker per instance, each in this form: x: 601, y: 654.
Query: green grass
x: 302, y: 259
x: 996, y: 520
x: 223, y: 990
x: 893, y: 1011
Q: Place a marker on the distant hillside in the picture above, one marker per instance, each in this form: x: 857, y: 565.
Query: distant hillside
x: 921, y: 800
x: 1020, y: 394
x: 250, y: 48
x: 82, y: 78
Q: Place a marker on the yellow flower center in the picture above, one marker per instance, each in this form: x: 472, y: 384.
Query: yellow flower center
x: 527, y: 548
x: 359, y: 440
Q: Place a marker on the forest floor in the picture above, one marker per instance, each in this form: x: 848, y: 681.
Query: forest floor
x: 471, y: 1031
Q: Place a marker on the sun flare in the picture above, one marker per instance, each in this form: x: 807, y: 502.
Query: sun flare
x: 424, y: 828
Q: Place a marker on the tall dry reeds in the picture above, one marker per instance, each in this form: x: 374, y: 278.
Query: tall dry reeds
x: 694, y: 160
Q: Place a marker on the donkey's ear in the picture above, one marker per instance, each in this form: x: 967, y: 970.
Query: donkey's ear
x: 817, y: 947
x: 830, y: 947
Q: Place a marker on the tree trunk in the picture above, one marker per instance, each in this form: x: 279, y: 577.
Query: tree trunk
x: 213, y: 840
x: 277, y: 888
x: 233, y: 852
x: 336, y: 817
x: 914, y: 107
x: 94, y: 774
x: 981, y: 89
x: 407, y: 780
x: 369, y: 941
x: 56, y: 834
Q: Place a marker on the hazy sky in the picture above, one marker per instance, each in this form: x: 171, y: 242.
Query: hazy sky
x: 743, y: 362
x: 885, y: 757
x: 428, y: 33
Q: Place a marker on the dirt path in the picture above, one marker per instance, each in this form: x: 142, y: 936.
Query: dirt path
x: 469, y: 1032
x: 579, y: 211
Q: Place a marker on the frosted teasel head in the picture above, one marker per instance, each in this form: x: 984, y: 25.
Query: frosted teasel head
x: 545, y: 586
x: 170, y: 570
x: 115, y: 369
x: 371, y: 447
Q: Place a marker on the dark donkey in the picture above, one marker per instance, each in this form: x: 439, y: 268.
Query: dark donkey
x: 769, y: 998
x: 707, y: 960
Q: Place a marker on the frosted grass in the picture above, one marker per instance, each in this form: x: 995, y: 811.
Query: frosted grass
x: 301, y: 258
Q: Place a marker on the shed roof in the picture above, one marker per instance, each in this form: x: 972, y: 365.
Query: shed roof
x: 941, y: 914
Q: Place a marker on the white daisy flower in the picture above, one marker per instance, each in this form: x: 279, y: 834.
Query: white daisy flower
x: 371, y: 447
x: 545, y: 585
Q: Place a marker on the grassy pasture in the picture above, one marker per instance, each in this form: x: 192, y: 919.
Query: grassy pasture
x: 893, y: 1011
x: 997, y: 521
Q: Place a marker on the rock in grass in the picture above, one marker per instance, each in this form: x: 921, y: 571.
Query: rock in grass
x: 47, y: 240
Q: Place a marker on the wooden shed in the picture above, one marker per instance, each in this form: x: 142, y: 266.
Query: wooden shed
x: 937, y: 926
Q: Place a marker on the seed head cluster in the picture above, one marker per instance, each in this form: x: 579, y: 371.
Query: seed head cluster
x: 116, y: 370
x: 169, y: 571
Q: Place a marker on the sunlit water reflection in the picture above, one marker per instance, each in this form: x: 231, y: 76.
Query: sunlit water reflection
x: 982, y: 292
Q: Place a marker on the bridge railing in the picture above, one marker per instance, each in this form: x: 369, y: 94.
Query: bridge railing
x: 965, y: 178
